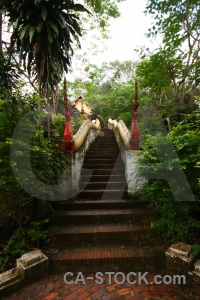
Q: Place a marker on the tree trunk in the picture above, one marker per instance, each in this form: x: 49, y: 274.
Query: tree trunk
x: 182, y: 92
x: 39, y: 102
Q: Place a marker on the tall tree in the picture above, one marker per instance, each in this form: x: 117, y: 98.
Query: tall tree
x: 178, y: 23
x: 43, y: 33
x: 119, y: 71
x: 111, y: 86
x: 157, y: 74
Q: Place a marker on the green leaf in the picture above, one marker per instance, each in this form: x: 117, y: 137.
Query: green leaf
x: 29, y: 13
x: 55, y: 28
x: 80, y: 7
x: 15, y: 24
x: 50, y: 37
x: 39, y: 28
x: 31, y: 33
x: 24, y: 31
x: 44, y: 13
x: 61, y: 22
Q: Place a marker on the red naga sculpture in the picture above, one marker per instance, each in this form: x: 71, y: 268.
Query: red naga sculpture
x: 68, y: 137
x: 135, y: 136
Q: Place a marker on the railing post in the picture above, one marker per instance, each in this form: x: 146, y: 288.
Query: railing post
x: 68, y: 138
x: 135, y: 136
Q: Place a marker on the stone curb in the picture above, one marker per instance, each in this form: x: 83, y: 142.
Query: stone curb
x: 31, y: 267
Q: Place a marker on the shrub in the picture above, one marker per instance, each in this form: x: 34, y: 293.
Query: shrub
x: 24, y: 213
x: 19, y: 243
x: 176, y: 217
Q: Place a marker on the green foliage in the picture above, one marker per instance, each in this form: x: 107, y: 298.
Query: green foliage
x: 104, y: 10
x: 46, y: 159
x: 119, y: 97
x: 20, y: 243
x: 173, y: 19
x: 43, y: 34
x: 185, y: 137
x: 59, y: 124
x: 176, y: 217
x: 178, y: 25
x: 18, y: 207
x: 9, y: 74
x: 76, y: 124
x: 111, y: 86
x: 153, y: 74
x: 195, y: 250
x: 9, y: 189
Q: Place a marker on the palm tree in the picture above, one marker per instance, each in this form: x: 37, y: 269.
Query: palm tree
x: 43, y: 34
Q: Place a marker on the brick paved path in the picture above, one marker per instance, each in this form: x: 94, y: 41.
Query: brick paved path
x: 54, y: 288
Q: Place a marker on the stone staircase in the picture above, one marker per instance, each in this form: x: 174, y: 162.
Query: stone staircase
x: 103, y: 229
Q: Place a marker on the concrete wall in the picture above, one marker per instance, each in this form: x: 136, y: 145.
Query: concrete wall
x: 130, y: 159
x: 72, y: 172
x: 78, y: 159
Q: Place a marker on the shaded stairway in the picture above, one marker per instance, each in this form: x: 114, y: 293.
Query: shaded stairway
x: 103, y: 229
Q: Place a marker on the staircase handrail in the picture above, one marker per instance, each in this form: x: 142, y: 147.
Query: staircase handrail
x: 124, y: 132
x: 81, y: 134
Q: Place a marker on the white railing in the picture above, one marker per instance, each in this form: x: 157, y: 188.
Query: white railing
x: 80, y: 136
x: 71, y: 175
x: 130, y: 157
x: 124, y: 133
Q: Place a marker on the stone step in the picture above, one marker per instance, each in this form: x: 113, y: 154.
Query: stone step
x: 106, y: 137
x: 103, y: 194
x: 102, y: 178
x: 101, y: 161
x: 131, y: 233
x: 103, y: 215
x: 99, y: 145
x: 107, y: 258
x: 107, y: 131
x: 102, y: 185
x: 116, y: 171
x: 108, y: 141
x: 104, y: 146
x: 104, y: 140
x: 101, y: 156
x: 103, y: 228
x: 102, y: 166
x: 109, y: 150
x: 107, y: 134
x: 98, y: 204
